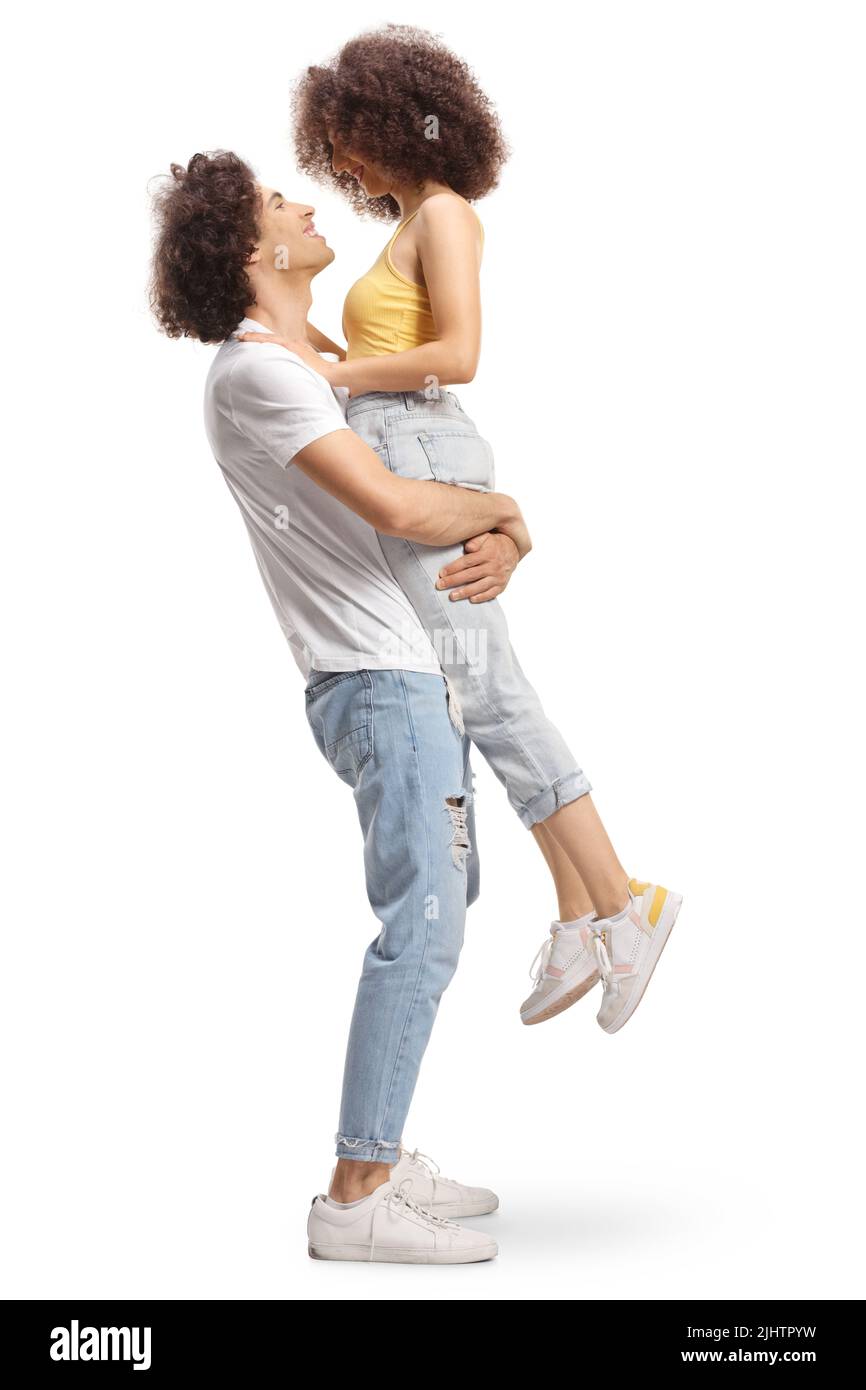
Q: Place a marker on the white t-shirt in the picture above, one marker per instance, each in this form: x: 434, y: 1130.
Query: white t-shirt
x: 336, y: 599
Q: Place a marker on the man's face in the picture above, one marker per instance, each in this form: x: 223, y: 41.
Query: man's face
x: 289, y: 239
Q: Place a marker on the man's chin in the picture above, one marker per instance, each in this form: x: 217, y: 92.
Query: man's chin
x: 326, y: 255
x: 323, y: 258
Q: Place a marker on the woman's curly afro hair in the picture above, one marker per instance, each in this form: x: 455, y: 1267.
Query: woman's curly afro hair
x: 378, y: 95
x: 207, y: 225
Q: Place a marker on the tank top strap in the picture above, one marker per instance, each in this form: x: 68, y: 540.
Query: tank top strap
x: 401, y: 226
x: 415, y: 214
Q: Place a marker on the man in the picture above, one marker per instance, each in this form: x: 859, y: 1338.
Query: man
x: 233, y: 255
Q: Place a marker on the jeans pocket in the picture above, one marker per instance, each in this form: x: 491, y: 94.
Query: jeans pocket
x: 404, y: 451
x: 319, y: 683
x: 340, y: 714
x: 369, y: 425
x: 348, y: 754
x: 462, y: 457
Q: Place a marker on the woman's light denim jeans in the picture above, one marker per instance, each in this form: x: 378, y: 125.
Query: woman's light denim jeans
x: 423, y: 438
x: 390, y: 737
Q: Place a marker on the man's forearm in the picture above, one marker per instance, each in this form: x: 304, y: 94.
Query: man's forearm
x: 429, y: 512
x: 442, y: 514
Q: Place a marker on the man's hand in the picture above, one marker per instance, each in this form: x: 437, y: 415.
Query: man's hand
x: 517, y: 531
x: 300, y: 348
x: 483, y: 571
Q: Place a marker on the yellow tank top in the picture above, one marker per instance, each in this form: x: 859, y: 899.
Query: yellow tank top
x: 384, y: 312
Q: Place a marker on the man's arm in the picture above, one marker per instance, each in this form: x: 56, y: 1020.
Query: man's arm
x: 430, y: 513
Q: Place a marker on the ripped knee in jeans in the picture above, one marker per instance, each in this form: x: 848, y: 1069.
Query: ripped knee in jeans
x: 460, y: 846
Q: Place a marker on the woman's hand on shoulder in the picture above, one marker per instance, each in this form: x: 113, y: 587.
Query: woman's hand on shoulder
x: 299, y: 347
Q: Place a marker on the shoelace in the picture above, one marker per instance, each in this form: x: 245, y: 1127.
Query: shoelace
x: 399, y: 1200
x: 544, y: 953
x: 605, y: 966
x: 416, y: 1156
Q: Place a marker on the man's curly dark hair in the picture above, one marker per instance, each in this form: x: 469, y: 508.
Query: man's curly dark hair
x: 377, y: 95
x: 207, y: 225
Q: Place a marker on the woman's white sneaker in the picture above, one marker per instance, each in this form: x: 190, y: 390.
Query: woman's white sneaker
x: 390, y: 1227
x: 627, y: 948
x: 443, y: 1196
x: 567, y: 970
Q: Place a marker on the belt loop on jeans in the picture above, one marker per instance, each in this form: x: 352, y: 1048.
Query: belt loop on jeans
x: 409, y: 400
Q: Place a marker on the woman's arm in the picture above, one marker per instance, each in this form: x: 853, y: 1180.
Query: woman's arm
x: 449, y: 248
x: 323, y: 344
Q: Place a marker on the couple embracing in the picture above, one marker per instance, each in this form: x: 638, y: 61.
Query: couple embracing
x: 369, y: 498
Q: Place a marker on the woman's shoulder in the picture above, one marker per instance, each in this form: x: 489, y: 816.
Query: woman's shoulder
x: 448, y: 210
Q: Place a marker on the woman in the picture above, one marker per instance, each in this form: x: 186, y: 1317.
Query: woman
x: 399, y: 125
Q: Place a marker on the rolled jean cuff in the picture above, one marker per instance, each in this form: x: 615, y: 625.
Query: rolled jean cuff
x: 367, y: 1150
x: 559, y: 793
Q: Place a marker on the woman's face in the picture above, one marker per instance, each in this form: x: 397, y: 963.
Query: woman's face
x: 373, y: 180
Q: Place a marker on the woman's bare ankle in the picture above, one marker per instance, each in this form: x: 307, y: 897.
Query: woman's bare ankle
x: 354, y: 1178
x: 573, y: 911
x: 613, y: 900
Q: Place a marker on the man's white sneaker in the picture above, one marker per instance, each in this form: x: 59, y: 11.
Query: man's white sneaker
x: 567, y: 969
x: 627, y: 948
x: 390, y: 1227
x: 443, y: 1196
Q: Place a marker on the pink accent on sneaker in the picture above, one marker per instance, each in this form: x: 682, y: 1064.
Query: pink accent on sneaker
x: 555, y: 970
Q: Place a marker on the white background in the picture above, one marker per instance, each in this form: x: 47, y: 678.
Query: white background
x: 672, y: 379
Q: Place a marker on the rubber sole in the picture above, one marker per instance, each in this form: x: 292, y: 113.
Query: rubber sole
x: 659, y: 941
x: 383, y: 1254
x: 456, y: 1211
x: 564, y: 1002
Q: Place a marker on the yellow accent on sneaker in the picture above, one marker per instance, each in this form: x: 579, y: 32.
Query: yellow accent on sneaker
x: 658, y: 903
x: 638, y: 889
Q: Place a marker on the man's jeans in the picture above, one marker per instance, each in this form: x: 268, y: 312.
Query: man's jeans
x: 435, y: 440
x: 389, y: 735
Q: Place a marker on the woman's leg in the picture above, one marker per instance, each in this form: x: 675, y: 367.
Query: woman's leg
x: 500, y: 709
x: 628, y: 934
x: 583, y: 840
x: 573, y: 900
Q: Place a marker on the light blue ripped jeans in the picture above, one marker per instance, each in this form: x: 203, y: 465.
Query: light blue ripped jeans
x: 434, y: 439
x: 390, y: 736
